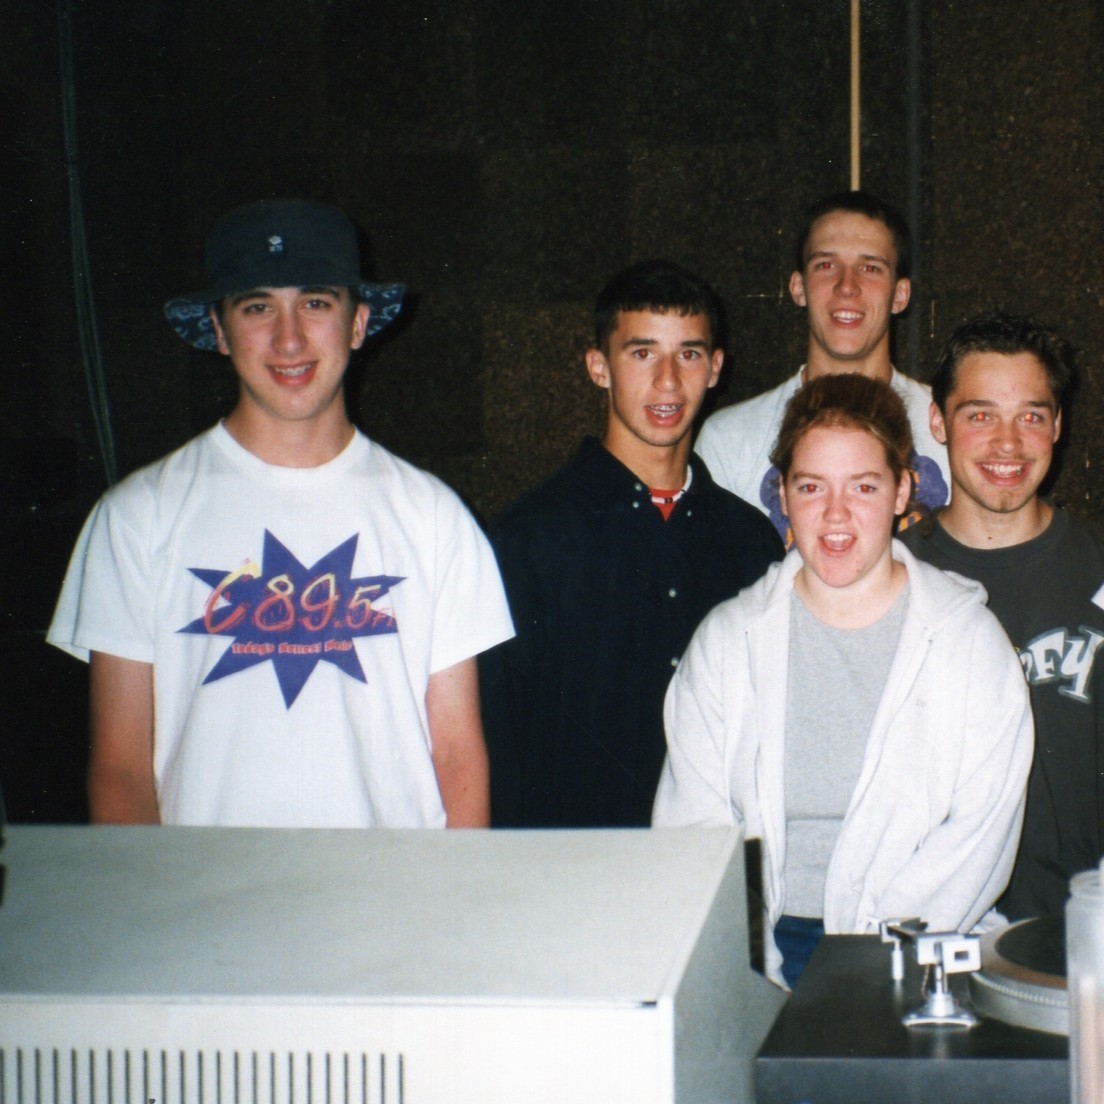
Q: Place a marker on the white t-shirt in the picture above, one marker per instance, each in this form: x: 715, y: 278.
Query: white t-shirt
x: 293, y: 617
x: 735, y: 444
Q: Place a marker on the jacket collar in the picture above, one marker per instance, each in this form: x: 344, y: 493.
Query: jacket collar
x: 933, y: 594
x: 605, y: 477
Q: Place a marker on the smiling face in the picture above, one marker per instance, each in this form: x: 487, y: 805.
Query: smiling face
x: 290, y: 348
x: 1000, y: 428
x: 850, y: 288
x: 842, y: 499
x: 657, y: 370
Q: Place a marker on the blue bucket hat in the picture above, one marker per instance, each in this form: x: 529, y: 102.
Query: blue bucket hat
x: 279, y: 243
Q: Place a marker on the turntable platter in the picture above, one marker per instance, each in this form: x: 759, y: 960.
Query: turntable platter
x: 1022, y: 980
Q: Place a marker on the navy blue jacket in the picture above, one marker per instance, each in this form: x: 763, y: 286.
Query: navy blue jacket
x: 605, y: 595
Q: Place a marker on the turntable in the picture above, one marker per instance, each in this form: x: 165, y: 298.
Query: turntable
x: 1022, y: 980
x: 842, y: 1039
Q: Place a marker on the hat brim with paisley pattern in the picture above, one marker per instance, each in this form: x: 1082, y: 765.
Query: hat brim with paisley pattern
x: 280, y: 243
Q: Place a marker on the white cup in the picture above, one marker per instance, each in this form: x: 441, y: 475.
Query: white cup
x: 1085, y: 976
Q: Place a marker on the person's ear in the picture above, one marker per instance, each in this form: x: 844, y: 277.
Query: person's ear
x: 220, y: 336
x: 937, y: 424
x: 797, y: 289
x: 715, y: 367
x: 904, y: 493
x: 598, y: 367
x: 360, y: 325
x: 902, y: 292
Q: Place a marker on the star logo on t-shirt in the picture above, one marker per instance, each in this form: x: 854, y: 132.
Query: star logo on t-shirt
x: 293, y: 616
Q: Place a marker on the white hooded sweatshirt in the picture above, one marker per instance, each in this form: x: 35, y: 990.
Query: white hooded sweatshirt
x: 932, y: 827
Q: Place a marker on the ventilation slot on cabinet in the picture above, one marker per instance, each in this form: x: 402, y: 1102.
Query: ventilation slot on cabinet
x: 54, y: 1076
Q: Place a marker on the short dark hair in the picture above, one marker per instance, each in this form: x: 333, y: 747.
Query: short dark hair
x: 859, y: 203
x: 1008, y: 334
x: 659, y: 286
x: 846, y: 400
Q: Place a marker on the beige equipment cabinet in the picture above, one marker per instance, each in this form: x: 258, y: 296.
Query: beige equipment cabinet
x: 258, y: 966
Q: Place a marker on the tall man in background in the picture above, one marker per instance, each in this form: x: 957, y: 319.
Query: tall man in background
x: 997, y: 397
x: 852, y: 278
x: 609, y: 567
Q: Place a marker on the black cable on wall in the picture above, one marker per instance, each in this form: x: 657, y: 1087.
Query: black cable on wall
x: 88, y: 330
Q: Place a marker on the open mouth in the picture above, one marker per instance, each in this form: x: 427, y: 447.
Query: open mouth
x: 1004, y: 470
x: 837, y: 542
x: 291, y: 372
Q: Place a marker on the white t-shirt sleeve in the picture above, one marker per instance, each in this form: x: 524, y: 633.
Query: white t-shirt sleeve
x: 106, y: 604
x: 471, y: 613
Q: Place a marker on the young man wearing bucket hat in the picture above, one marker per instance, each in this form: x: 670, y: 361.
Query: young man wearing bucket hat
x: 279, y: 615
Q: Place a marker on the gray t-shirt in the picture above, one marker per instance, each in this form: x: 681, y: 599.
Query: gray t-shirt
x: 836, y: 679
x: 1048, y: 593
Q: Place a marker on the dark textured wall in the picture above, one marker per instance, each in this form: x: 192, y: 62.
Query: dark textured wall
x: 503, y: 160
x: 1017, y: 164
